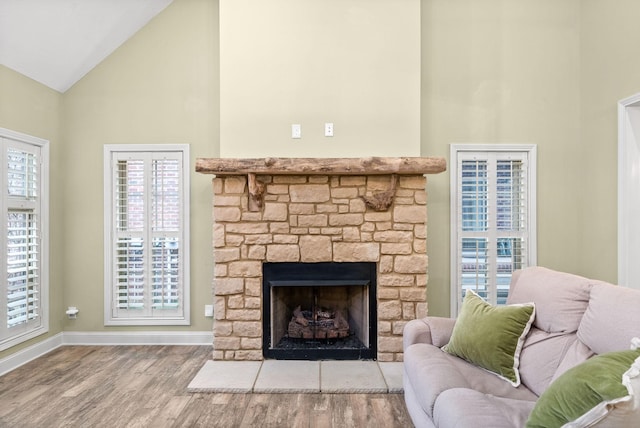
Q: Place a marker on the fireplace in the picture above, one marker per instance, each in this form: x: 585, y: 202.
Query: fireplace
x: 320, y: 215
x: 315, y: 311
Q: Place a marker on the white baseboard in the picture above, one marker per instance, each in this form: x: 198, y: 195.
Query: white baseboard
x: 99, y: 338
x: 138, y: 338
x: 32, y: 352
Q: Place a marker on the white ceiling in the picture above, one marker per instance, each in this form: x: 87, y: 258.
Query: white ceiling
x: 57, y: 42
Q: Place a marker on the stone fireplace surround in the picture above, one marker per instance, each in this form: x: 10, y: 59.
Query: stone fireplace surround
x: 317, y: 210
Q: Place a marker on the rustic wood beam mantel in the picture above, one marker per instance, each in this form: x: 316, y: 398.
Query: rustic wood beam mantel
x: 322, y: 166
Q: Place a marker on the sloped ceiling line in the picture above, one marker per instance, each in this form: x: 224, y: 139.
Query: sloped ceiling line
x: 57, y: 42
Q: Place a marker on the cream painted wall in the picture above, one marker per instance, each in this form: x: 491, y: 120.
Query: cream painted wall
x: 31, y: 108
x: 501, y: 71
x: 354, y: 63
x: 161, y: 86
x: 533, y: 71
x: 610, y: 67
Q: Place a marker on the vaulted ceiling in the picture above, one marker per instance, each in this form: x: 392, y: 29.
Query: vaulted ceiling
x: 57, y: 42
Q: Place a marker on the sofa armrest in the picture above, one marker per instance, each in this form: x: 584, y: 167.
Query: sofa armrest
x: 432, y: 330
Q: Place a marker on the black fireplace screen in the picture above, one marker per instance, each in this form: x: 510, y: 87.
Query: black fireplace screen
x: 315, y: 311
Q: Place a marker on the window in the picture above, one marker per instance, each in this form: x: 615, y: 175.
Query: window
x: 492, y: 217
x: 23, y: 236
x: 146, y: 235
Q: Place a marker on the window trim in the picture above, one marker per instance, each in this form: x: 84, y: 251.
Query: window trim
x: 455, y: 150
x: 109, y: 319
x: 43, y: 145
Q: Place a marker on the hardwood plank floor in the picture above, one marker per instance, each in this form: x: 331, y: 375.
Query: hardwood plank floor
x: 146, y: 386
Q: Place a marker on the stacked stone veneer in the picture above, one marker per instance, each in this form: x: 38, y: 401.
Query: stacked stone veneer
x: 316, y: 219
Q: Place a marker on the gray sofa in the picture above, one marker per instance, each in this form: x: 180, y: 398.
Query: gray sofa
x: 575, y: 319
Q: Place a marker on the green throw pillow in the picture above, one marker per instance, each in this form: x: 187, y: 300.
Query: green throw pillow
x: 491, y: 336
x: 597, y: 381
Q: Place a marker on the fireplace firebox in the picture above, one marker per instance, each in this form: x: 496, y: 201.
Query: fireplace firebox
x: 316, y: 311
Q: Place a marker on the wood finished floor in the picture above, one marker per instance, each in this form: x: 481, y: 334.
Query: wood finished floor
x: 146, y: 386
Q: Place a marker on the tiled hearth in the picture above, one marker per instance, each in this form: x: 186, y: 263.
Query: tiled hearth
x: 315, y: 217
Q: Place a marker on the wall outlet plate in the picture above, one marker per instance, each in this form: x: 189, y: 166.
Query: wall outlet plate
x: 328, y: 129
x: 296, y: 130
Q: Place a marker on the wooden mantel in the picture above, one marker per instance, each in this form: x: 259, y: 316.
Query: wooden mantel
x: 322, y: 166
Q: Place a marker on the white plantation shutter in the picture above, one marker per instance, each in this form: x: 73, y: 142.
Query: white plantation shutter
x: 166, y: 245
x: 147, y: 278
x: 493, y: 215
x: 23, y: 210
x: 23, y: 272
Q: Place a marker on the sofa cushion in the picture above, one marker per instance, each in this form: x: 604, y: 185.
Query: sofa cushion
x: 612, y: 318
x: 491, y: 336
x: 561, y: 298
x: 461, y: 408
x: 541, y: 356
x: 595, y: 384
x: 430, y: 371
x: 577, y: 353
